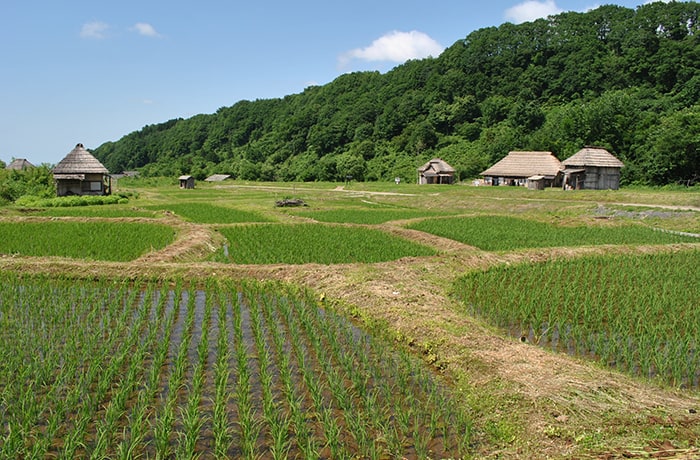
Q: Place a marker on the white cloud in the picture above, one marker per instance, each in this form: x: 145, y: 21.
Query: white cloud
x: 145, y: 29
x: 94, y: 29
x: 531, y: 10
x: 395, y: 46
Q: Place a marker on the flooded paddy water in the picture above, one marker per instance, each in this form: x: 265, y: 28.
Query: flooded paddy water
x: 220, y: 370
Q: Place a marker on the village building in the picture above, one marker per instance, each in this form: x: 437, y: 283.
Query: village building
x: 592, y: 168
x: 19, y: 164
x: 80, y: 173
x: 436, y: 171
x: 186, y: 182
x: 535, y: 170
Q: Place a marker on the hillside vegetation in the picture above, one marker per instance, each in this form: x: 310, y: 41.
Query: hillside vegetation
x: 625, y: 79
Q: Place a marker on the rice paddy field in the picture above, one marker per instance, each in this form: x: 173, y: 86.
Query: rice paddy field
x: 379, y: 321
x: 224, y: 370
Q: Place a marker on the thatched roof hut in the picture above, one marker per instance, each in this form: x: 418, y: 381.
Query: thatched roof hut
x: 516, y: 167
x: 19, y: 164
x: 592, y: 168
x: 80, y: 173
x: 436, y: 171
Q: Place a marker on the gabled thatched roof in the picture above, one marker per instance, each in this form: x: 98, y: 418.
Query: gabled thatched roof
x: 80, y: 161
x: 593, y: 156
x: 19, y: 164
x: 525, y: 164
x: 436, y: 166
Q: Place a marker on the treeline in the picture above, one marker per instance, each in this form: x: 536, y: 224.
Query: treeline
x: 625, y: 79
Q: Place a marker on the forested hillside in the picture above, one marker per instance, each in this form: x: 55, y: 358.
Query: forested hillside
x: 625, y: 79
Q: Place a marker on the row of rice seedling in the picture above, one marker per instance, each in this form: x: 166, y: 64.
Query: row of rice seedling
x: 313, y: 243
x: 206, y: 213
x: 227, y: 370
x: 502, y: 233
x: 635, y: 312
x: 97, y: 211
x: 115, y: 241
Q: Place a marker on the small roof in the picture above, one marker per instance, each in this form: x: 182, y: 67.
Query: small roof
x: 185, y: 177
x: 19, y: 164
x: 79, y: 161
x: 436, y: 167
x: 525, y: 164
x: 217, y: 177
x: 593, y: 156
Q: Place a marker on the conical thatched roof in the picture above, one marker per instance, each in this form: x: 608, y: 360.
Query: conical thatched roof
x: 525, y: 164
x: 19, y: 164
x: 80, y: 161
x: 593, y: 156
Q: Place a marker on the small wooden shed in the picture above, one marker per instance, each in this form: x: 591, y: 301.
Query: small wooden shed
x: 592, y: 168
x: 436, y: 171
x: 519, y: 168
x: 186, y: 181
x: 80, y: 173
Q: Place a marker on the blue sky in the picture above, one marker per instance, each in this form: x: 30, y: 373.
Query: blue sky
x: 93, y: 71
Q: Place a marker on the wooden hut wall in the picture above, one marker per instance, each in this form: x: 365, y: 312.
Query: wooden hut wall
x: 599, y: 178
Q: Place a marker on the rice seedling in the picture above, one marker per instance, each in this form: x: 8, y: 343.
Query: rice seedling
x: 85, y: 240
x: 589, y: 305
x: 501, y: 233
x: 206, y: 213
x: 312, y: 243
x: 226, y: 370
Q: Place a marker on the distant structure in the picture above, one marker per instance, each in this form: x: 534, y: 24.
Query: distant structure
x: 80, y: 173
x: 19, y: 164
x: 592, y: 168
x: 186, y: 181
x: 436, y: 171
x: 535, y: 170
x: 217, y: 178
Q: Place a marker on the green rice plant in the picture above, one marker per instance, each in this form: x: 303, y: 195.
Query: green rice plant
x: 83, y: 240
x: 97, y: 211
x: 313, y: 243
x: 206, y: 213
x: 648, y: 330
x: 501, y: 233
x: 376, y: 216
x: 178, y: 370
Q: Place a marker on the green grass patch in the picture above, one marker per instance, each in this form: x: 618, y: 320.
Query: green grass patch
x: 313, y: 243
x: 636, y: 313
x: 366, y: 216
x: 83, y: 240
x: 499, y: 233
x: 205, y: 213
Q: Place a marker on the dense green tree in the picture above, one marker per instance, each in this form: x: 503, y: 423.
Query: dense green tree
x: 626, y: 79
